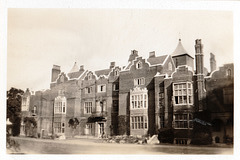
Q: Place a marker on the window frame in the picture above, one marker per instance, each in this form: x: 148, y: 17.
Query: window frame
x: 188, y: 121
x: 139, y: 81
x: 139, y: 65
x: 99, y: 89
x: 60, y: 105
x: 139, y: 122
x: 88, y: 109
x: 183, y: 98
x: 114, y: 87
x: 88, y: 90
x: 229, y: 72
x: 59, y: 127
x: 116, y: 72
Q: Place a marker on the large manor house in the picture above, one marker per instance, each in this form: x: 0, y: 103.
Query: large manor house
x: 141, y: 98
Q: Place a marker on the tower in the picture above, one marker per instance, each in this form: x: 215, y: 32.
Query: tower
x: 201, y: 94
x: 181, y: 57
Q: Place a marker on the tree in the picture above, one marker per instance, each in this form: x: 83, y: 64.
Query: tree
x: 73, y: 123
x: 14, y: 99
x: 202, y: 129
x: 30, y: 126
x: 166, y: 135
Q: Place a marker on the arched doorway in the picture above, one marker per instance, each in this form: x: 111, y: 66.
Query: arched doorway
x: 218, y: 131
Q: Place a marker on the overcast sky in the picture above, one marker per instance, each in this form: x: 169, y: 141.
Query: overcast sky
x: 39, y: 38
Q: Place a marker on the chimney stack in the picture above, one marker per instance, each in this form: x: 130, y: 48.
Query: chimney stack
x: 134, y: 54
x: 212, y: 62
x: 55, y: 72
x: 112, y: 65
x: 199, y: 56
x: 152, y: 54
x: 201, y: 94
x: 82, y: 68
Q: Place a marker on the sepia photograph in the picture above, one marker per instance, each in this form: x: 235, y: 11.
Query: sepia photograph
x: 119, y: 81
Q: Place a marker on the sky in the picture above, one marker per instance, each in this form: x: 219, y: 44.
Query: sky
x: 39, y: 38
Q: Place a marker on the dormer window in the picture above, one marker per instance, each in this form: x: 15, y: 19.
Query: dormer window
x: 116, y: 72
x: 139, y: 65
x: 89, y: 76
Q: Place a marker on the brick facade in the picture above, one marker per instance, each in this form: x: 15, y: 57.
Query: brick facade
x: 142, y: 98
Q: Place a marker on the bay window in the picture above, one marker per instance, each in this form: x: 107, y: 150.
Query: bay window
x: 138, y: 98
x: 60, y: 104
x: 183, y: 93
x: 139, y: 122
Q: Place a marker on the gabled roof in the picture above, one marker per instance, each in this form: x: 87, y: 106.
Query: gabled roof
x: 180, y: 50
x: 128, y: 66
x: 74, y: 68
x: 157, y: 60
x: 75, y: 74
x: 102, y: 72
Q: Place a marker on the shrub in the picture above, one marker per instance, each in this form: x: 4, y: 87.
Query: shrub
x: 166, y: 135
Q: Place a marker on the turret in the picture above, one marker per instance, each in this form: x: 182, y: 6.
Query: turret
x: 181, y: 57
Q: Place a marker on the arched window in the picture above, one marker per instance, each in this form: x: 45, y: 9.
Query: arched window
x: 139, y: 65
x: 229, y: 72
x: 116, y: 72
x: 170, y: 66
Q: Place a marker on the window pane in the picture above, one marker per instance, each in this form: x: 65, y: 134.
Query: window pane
x: 184, y: 99
x: 184, y: 92
x: 190, y: 117
x: 184, y: 86
x: 179, y: 92
x: 175, y: 87
x: 190, y: 99
x: 176, y: 99
x: 180, y: 100
x: 185, y: 116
